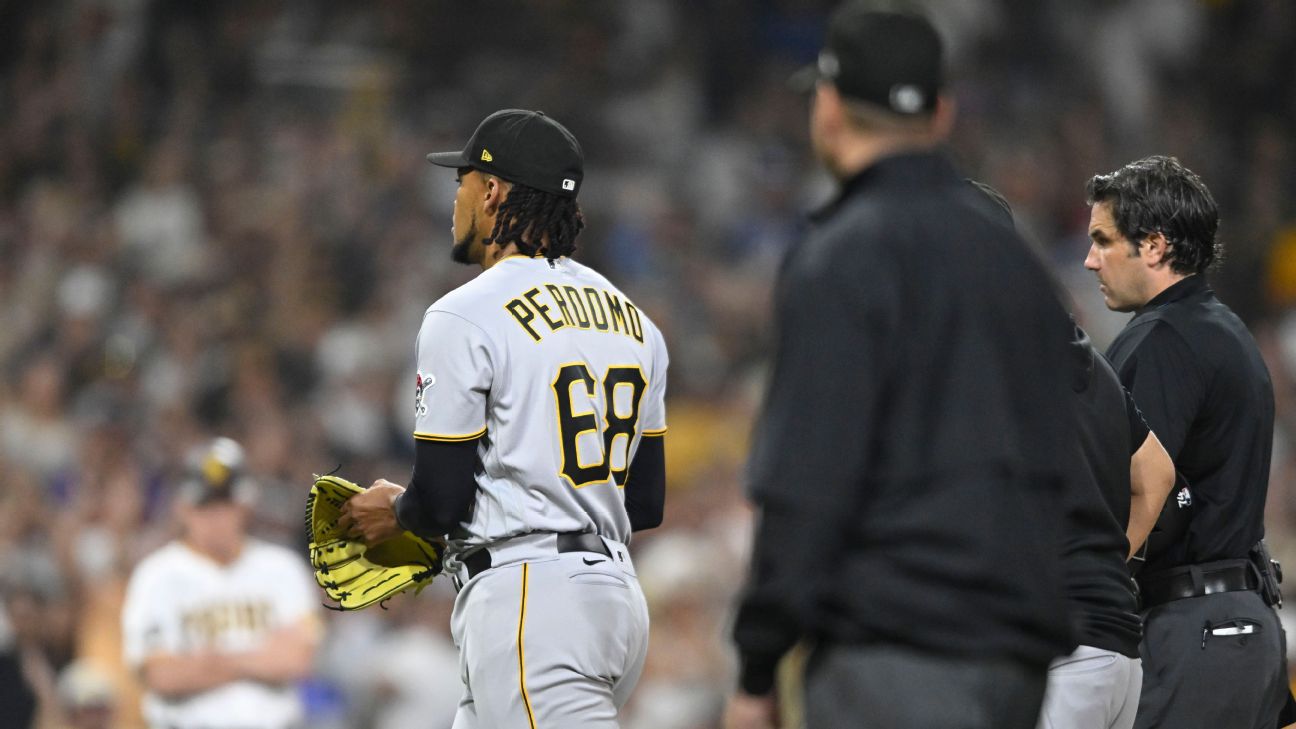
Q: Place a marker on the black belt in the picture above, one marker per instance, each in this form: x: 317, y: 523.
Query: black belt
x: 480, y: 561
x: 1208, y: 578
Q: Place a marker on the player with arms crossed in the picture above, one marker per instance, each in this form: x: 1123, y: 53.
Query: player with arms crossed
x: 539, y: 424
x: 218, y: 625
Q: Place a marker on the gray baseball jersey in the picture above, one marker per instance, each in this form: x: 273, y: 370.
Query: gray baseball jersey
x: 562, y: 374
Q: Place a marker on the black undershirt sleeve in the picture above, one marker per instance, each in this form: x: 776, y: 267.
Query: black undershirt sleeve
x: 441, y: 490
x: 645, y: 489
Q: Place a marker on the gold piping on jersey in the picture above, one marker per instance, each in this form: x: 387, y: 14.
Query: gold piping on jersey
x: 449, y: 438
x: 526, y: 698
x: 588, y: 308
x: 654, y: 433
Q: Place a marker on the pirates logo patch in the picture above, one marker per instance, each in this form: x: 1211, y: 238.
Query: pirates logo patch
x: 421, y: 384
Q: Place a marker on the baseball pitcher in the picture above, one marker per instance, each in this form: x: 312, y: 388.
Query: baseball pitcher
x: 539, y: 423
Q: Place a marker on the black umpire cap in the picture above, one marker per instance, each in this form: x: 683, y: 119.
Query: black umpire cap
x: 884, y: 53
x: 525, y: 147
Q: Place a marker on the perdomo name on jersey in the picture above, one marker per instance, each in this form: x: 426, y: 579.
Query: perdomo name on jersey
x: 567, y: 306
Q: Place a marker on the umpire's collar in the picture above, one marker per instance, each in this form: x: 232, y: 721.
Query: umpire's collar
x: 919, y: 169
x: 1178, y: 291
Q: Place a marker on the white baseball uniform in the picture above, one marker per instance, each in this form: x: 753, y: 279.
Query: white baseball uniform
x: 561, y: 376
x: 180, y: 601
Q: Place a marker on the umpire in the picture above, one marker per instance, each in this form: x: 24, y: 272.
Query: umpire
x: 1212, y: 646
x: 1120, y: 476
x: 907, y: 464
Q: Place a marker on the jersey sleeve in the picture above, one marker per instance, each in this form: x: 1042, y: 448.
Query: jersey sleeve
x: 455, y: 368
x: 1167, y: 382
x: 653, y: 418
x: 149, y: 624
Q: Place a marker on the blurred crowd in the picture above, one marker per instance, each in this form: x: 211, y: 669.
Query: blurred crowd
x: 216, y: 218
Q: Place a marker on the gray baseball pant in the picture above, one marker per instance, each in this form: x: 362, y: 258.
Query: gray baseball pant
x: 1092, y: 689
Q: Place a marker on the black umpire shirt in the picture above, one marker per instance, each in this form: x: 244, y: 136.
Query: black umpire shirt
x: 1097, y: 504
x: 909, y: 459
x: 1197, y: 376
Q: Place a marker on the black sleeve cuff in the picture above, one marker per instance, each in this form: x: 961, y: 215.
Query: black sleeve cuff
x: 398, y: 505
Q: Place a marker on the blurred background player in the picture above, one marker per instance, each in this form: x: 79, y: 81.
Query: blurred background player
x: 1213, y: 647
x: 910, y: 459
x: 220, y: 626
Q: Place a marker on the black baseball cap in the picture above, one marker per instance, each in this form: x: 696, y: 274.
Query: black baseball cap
x: 525, y: 147
x: 884, y: 53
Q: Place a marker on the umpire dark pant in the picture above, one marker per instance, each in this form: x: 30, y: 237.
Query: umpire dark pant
x: 1215, y: 661
x: 892, y: 687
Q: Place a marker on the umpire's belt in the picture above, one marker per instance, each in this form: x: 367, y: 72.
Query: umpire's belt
x: 1195, y: 580
x: 480, y: 561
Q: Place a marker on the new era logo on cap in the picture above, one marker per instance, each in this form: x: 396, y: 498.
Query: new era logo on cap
x: 486, y: 155
x: 568, y: 184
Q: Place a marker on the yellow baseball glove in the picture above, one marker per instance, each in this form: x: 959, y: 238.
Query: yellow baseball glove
x: 352, y: 574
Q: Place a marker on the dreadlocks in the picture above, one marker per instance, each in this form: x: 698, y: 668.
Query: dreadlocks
x: 538, y: 222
